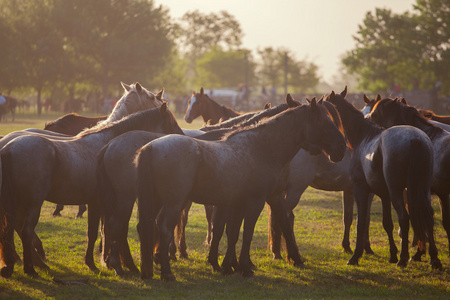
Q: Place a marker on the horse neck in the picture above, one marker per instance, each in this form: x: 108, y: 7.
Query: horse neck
x: 433, y: 131
x: 356, y: 127
x: 212, y: 112
x: 442, y: 119
x: 276, y: 141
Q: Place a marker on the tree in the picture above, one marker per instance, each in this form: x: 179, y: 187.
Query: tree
x: 219, y: 68
x: 278, y: 65
x: 403, y: 48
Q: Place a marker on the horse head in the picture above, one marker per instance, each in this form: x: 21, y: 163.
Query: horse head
x: 369, y: 104
x: 169, y: 122
x: 391, y: 112
x: 195, y: 106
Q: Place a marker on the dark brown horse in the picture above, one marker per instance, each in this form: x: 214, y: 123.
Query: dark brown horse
x: 212, y: 112
x: 72, y: 124
x: 240, y: 171
x: 385, y: 162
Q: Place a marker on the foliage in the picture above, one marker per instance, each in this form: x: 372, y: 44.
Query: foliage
x: 301, y: 75
x: 219, y: 68
x: 403, y: 48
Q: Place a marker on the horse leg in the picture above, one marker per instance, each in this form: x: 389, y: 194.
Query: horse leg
x: 252, y: 213
x: 125, y: 253
x: 361, y: 194
x: 209, y: 215
x: 234, y: 218
x: 403, y: 220
x: 93, y: 224
x: 274, y: 236
x: 181, y: 231
x: 32, y: 218
x: 281, y: 217
x: 347, y: 206
x: 81, y: 210
x: 367, y: 247
x: 218, y: 225
x: 7, y: 248
x: 37, y: 250
x: 167, y: 221
x: 444, y: 202
x: 58, y: 209
x: 432, y: 249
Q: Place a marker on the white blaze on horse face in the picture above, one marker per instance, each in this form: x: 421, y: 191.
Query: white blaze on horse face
x: 366, y: 111
x: 193, y: 99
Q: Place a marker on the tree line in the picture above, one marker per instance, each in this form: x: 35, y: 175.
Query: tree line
x: 63, y: 49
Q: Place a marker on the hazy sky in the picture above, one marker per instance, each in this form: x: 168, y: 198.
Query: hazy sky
x: 317, y: 30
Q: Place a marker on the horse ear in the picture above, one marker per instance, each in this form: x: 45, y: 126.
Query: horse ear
x: 344, y: 92
x: 125, y: 86
x: 366, y: 99
x: 201, y: 91
x: 313, y: 103
x: 290, y: 101
x: 403, y: 100
x: 138, y: 86
x: 163, y: 107
x: 307, y: 100
x: 160, y: 95
x: 320, y: 101
x: 267, y: 105
x: 332, y: 95
x: 378, y: 98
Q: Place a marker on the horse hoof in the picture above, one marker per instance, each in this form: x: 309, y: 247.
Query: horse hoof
x: 32, y: 273
x: 348, y: 250
x: 300, y: 265
x: 369, y: 251
x: 277, y: 256
x: 168, y: 277
x: 416, y: 257
x: 57, y: 214
x: 184, y: 255
x: 248, y: 273
x: 436, y: 264
x: 393, y: 260
x: 7, y: 272
x: 402, y: 263
x: 228, y: 270
x: 353, y: 262
x: 79, y: 216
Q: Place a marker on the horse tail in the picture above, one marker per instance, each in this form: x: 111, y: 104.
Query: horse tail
x: 107, y: 200
x: 146, y: 210
x: 8, y: 215
x: 418, y: 190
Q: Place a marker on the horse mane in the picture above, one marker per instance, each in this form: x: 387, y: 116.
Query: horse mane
x: 360, y: 128
x: 63, y: 120
x: 334, y: 115
x: 412, y: 115
x: 149, y: 117
x: 228, y: 123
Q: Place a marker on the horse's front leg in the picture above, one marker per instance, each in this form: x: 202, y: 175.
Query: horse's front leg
x: 7, y: 242
x: 361, y: 194
x: 274, y: 236
x: 252, y: 213
x: 444, y: 202
x: 93, y: 224
x: 181, y: 231
x: 347, y: 206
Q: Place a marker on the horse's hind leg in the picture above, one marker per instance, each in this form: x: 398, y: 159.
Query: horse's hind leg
x: 388, y: 226
x: 274, y: 236
x: 252, y: 213
x: 81, y: 210
x: 234, y: 218
x: 444, y: 201
x: 403, y: 220
x: 347, y: 203
x: 218, y: 225
x: 58, y: 209
x: 209, y: 215
x: 181, y: 231
x: 93, y: 224
x: 7, y: 243
x: 27, y: 238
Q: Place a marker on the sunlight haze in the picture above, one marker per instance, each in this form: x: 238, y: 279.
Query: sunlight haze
x: 317, y: 30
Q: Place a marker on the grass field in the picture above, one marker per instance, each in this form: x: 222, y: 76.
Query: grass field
x: 318, y: 229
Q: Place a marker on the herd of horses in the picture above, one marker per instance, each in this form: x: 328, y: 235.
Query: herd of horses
x: 234, y: 165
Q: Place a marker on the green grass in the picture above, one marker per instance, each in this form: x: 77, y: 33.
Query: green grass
x: 318, y: 229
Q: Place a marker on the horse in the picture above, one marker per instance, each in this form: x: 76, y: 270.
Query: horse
x: 317, y: 171
x: 72, y: 124
x: 430, y: 115
x: 63, y: 171
x: 117, y: 190
x: 240, y: 170
x: 8, y: 107
x: 212, y: 112
x: 385, y: 162
x: 125, y: 106
x: 387, y: 113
